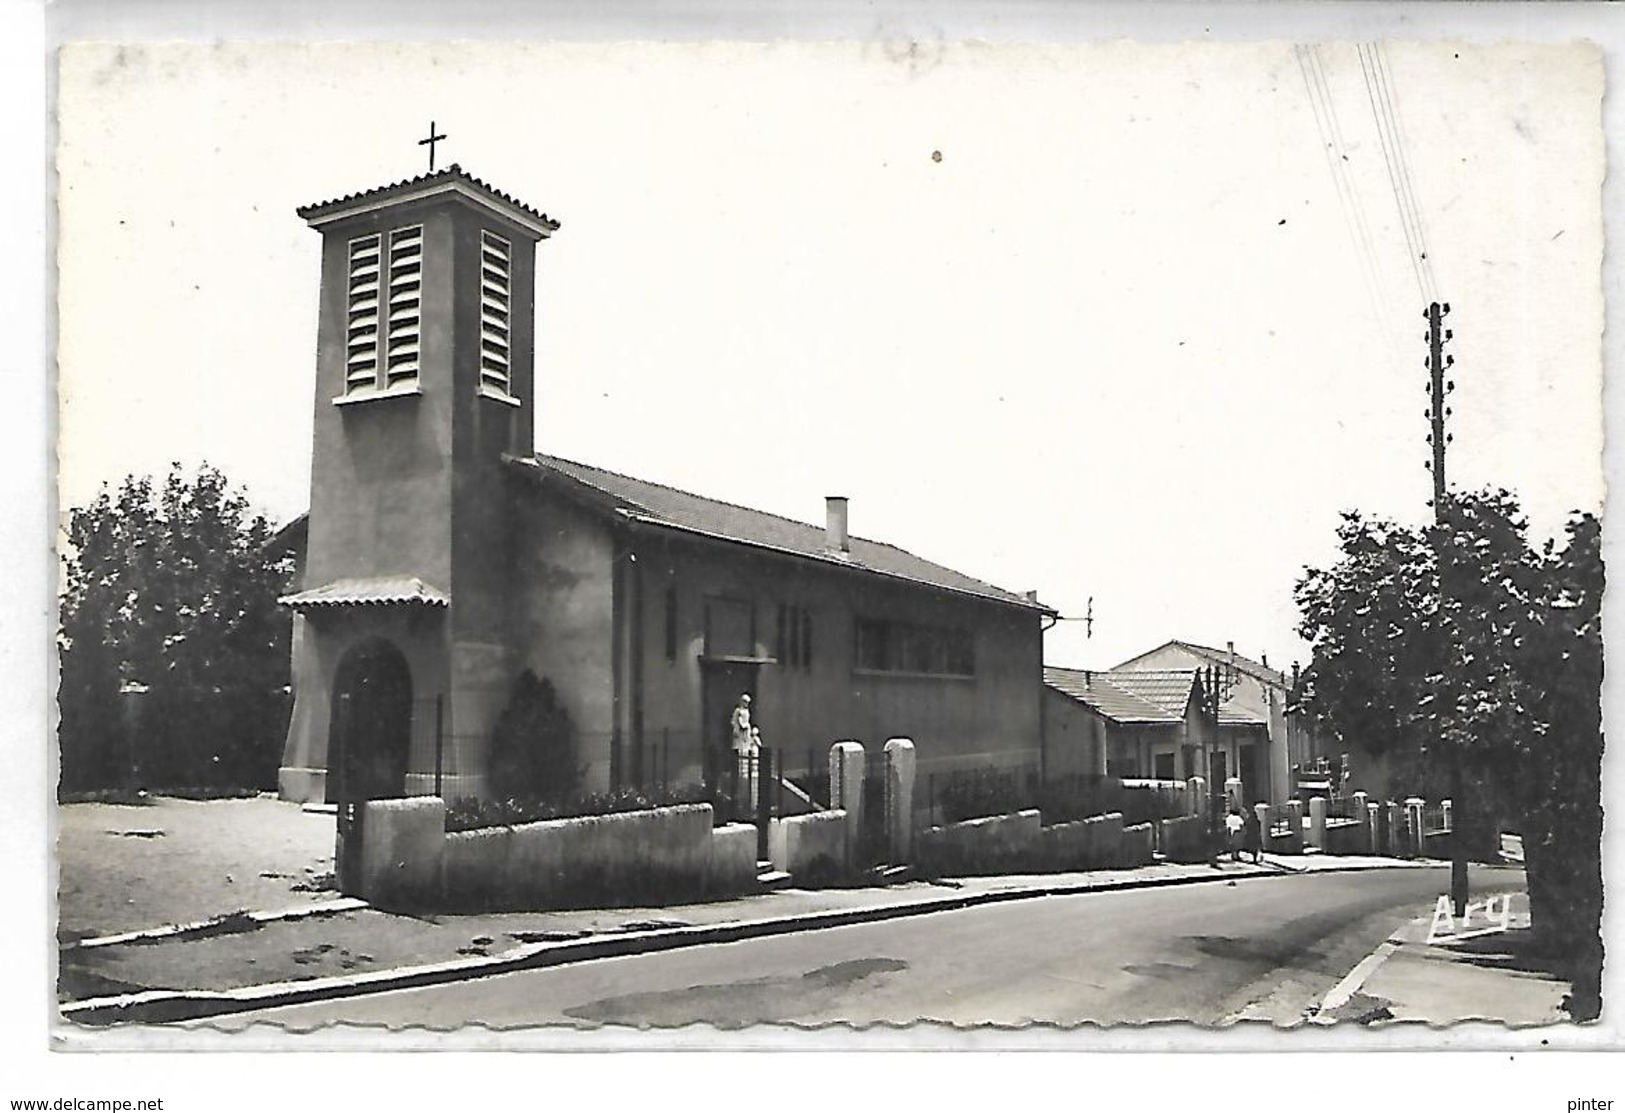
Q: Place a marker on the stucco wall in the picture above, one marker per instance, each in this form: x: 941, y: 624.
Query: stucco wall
x: 1086, y: 844
x: 796, y: 844
x: 992, y: 718
x: 655, y: 855
x: 563, y: 604
x: 990, y: 845
x: 1184, y: 839
x: 1074, y: 737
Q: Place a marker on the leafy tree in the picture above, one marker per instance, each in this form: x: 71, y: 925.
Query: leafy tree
x: 1464, y: 645
x: 533, y: 746
x: 1559, y: 762
x: 174, y: 652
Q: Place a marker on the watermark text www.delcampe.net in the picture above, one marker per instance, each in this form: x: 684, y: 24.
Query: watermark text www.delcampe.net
x: 91, y: 1105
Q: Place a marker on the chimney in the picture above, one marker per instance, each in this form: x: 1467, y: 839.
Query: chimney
x: 1264, y: 659
x: 835, y: 538
x: 1230, y: 648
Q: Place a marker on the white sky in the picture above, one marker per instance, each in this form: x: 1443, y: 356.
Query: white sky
x: 1082, y: 353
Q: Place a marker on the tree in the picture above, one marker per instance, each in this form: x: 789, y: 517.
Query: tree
x: 1463, y: 644
x: 174, y: 652
x: 1559, y: 763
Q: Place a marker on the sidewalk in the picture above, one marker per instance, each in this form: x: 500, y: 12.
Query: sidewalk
x: 1479, y: 973
x: 342, y: 947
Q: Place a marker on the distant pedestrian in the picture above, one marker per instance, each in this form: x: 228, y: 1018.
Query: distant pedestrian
x: 1232, y: 834
x: 1252, y: 835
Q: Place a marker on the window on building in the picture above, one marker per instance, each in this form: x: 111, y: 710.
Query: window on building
x: 886, y: 646
x: 361, y: 335
x: 671, y: 622
x: 495, y: 304
x: 730, y: 628
x: 795, y: 636
x: 405, y: 305
x: 384, y: 310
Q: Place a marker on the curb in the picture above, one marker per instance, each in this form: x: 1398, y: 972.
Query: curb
x: 169, y: 1006
x: 206, y: 927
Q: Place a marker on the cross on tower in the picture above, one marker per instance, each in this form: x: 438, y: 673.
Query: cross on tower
x: 430, y: 142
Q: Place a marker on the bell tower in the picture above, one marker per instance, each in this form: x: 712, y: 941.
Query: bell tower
x: 425, y: 380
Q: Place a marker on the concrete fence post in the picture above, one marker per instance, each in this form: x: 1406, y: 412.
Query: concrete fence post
x: 1262, y: 811
x: 1448, y: 825
x: 1373, y: 828
x: 1413, y: 825
x: 1393, y: 843
x: 1196, y: 804
x: 846, y: 790
x: 899, y: 758
x: 1294, y: 819
x: 1317, y: 823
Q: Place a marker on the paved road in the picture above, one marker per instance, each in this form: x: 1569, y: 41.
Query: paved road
x: 1263, y: 947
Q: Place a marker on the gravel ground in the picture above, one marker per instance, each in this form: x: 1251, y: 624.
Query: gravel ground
x: 125, y: 867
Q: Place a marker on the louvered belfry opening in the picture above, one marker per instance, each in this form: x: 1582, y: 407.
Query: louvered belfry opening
x: 496, y: 261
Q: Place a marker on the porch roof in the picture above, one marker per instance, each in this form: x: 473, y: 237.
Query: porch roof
x: 368, y: 591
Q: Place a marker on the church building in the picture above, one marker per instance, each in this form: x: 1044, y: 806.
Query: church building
x: 443, y: 557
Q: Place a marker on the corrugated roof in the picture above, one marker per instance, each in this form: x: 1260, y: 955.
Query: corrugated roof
x: 656, y: 504
x: 369, y: 591
x: 452, y: 173
x: 1099, y: 691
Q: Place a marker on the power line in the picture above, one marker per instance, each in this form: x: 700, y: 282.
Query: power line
x: 1390, y: 160
x: 1319, y: 106
x: 1396, y: 122
x: 1340, y: 164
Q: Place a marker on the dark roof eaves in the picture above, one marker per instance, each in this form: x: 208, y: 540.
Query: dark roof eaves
x: 647, y: 519
x: 631, y: 511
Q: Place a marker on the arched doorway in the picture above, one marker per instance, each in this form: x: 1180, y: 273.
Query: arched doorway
x: 369, y: 734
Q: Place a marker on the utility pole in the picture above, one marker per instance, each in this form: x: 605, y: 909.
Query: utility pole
x: 1438, y: 387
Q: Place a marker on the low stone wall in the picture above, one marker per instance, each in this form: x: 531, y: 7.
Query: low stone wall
x: 402, y: 848
x: 658, y: 855
x: 992, y: 844
x: 1345, y: 836
x: 1137, y: 846
x: 1184, y: 839
x: 732, y: 864
x: 809, y: 846
x: 1095, y: 843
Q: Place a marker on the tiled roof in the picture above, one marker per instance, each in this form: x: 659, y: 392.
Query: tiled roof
x: 1099, y: 691
x: 1143, y: 695
x: 1169, y: 689
x: 452, y: 173
x: 1256, y: 669
x: 654, y: 504
x: 369, y: 591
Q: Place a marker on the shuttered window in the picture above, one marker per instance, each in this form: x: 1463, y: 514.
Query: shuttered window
x: 405, y: 305
x: 384, y: 311
x: 361, y: 335
x: 495, y: 304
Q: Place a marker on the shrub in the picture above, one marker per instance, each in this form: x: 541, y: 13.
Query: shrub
x: 533, y: 745
x: 468, y: 813
x: 972, y: 793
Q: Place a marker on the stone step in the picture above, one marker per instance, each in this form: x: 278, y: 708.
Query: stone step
x: 773, y: 879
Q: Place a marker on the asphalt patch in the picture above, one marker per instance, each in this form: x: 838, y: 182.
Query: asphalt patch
x: 739, y: 1004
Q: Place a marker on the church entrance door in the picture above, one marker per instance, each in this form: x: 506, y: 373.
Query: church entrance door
x: 722, y: 683
x: 370, y: 732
